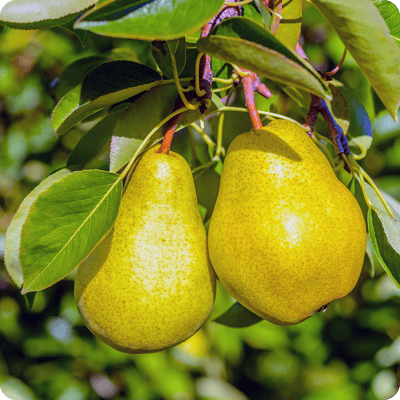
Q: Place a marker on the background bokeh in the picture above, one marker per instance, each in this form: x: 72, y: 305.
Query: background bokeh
x: 349, y: 352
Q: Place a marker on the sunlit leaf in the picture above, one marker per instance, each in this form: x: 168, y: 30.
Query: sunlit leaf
x: 13, y: 234
x: 391, y: 15
x: 35, y: 14
x: 64, y: 224
x: 157, y: 19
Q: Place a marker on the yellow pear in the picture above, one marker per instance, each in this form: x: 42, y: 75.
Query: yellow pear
x: 149, y: 284
x: 286, y: 237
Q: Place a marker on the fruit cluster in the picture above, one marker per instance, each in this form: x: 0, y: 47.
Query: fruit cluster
x: 286, y: 237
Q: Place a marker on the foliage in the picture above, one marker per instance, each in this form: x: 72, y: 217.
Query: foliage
x: 115, y: 87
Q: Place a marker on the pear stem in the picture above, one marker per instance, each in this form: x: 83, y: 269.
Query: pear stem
x: 148, y: 137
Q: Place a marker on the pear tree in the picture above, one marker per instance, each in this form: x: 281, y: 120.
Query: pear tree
x: 206, y: 72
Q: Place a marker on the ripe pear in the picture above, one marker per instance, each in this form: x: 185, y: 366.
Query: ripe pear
x: 149, y: 284
x: 286, y: 237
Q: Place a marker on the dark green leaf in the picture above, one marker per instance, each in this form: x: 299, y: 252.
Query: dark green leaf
x: 13, y: 234
x: 367, y: 37
x: 162, y: 51
x: 64, y: 224
x: 74, y: 73
x: 116, y: 76
x: 383, y: 238
x: 245, y: 43
x: 207, y: 185
x: 26, y: 15
x: 147, y: 111
x: 68, y: 112
x: 94, y: 143
x: 238, y: 317
x: 191, y: 56
x: 83, y: 36
x: 157, y: 19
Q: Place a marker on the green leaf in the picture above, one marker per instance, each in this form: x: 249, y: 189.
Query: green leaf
x: 162, y: 52
x: 370, y: 253
x: 363, y: 142
x: 114, y: 76
x: 391, y: 15
x: 83, y: 36
x: 29, y: 14
x: 147, y: 111
x: 122, y: 150
x: 244, y: 42
x: 64, y: 224
x: 94, y: 143
x: 339, y: 108
x: 13, y: 234
x: 157, y: 19
x: 238, y: 317
x: 73, y: 74
x: 385, y: 239
x: 367, y: 37
x: 113, y: 89
x: 266, y: 16
x: 360, y: 123
x: 290, y: 24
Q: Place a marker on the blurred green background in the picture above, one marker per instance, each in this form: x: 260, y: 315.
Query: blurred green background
x: 349, y: 352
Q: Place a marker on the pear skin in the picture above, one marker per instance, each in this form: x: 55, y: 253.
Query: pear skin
x: 149, y: 285
x: 286, y: 237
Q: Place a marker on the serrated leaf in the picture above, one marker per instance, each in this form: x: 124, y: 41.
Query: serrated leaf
x: 64, y: 224
x: 122, y: 150
x: 162, y: 52
x: 157, y: 19
x: 36, y: 14
x: 113, y: 89
x: 383, y: 239
x: 367, y: 37
x: 390, y: 13
x: 94, y: 143
x: 290, y: 24
x: 13, y: 234
x: 238, y: 316
x: 245, y: 43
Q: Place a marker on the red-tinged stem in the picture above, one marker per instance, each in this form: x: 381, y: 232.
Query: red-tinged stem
x: 333, y: 72
x: 169, y: 135
x: 248, y: 89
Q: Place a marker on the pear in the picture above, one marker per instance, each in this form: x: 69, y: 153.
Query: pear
x: 286, y: 237
x: 149, y: 285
